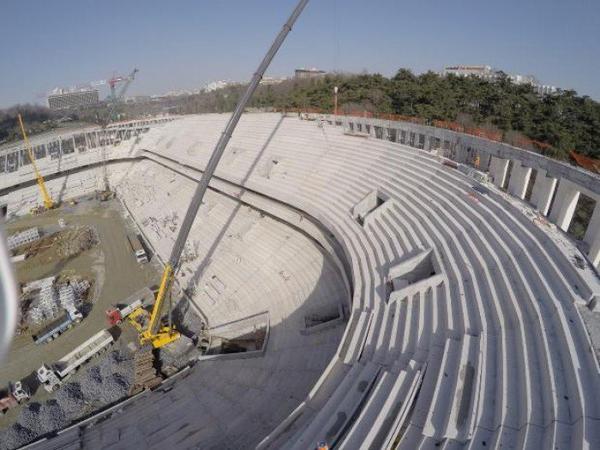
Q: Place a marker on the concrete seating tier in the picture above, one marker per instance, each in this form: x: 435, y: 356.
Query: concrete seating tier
x: 463, y: 329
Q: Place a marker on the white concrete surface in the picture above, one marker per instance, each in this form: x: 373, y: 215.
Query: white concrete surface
x: 488, y: 351
x: 519, y: 179
x: 564, y: 205
x: 499, y: 170
x: 543, y: 190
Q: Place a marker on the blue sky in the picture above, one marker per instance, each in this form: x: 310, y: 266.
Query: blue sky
x: 185, y: 44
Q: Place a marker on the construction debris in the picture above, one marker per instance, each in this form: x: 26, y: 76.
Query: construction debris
x: 72, y: 242
x: 67, y: 242
x: 44, y: 300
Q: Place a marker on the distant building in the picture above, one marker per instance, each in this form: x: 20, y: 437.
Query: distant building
x: 544, y: 89
x: 485, y: 72
x: 269, y: 81
x: 216, y: 85
x: 523, y: 79
x: 64, y: 99
x: 488, y: 73
x: 306, y: 74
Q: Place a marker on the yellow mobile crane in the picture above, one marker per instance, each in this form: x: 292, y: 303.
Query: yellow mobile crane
x: 155, y: 333
x: 48, y: 203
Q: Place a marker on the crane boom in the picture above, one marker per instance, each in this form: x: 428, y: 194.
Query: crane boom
x: 152, y: 333
x: 47, y: 199
x: 116, y: 98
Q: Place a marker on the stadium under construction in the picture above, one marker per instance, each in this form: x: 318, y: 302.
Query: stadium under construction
x: 295, y: 280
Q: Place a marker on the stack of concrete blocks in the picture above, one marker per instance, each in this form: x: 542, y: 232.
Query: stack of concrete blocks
x: 46, y: 305
x: 23, y: 237
x: 66, y: 297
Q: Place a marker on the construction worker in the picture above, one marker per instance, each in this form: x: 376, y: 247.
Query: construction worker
x: 322, y: 446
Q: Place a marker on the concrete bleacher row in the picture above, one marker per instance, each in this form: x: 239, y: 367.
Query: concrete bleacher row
x: 515, y: 375
x: 58, y: 152
x: 238, y: 262
x: 485, y: 349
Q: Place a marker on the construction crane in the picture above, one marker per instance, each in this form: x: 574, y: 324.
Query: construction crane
x: 155, y: 333
x: 114, y: 99
x: 48, y: 202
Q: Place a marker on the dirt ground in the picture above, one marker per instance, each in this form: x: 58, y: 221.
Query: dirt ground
x: 111, y: 265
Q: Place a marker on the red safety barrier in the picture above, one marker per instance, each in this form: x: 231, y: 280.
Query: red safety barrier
x: 591, y: 164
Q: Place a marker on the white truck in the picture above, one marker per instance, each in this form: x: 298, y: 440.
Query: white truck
x: 48, y: 378
x: 19, y: 391
x: 138, y: 249
x: 51, y: 377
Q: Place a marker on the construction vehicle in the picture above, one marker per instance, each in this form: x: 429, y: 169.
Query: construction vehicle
x: 82, y: 353
x: 46, y: 198
x: 116, y: 316
x: 58, y: 326
x: 7, y: 401
x: 138, y: 249
x: 48, y: 378
x: 154, y: 332
x: 19, y: 391
x: 51, y: 377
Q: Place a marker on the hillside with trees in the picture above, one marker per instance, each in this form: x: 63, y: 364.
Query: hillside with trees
x: 37, y: 118
x: 565, y: 120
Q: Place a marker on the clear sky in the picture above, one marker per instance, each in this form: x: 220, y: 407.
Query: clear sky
x: 185, y: 44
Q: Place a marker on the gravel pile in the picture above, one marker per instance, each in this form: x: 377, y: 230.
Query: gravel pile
x: 43, y: 418
x: 71, y: 400
x: 109, y: 381
x: 99, y: 385
x: 15, y: 436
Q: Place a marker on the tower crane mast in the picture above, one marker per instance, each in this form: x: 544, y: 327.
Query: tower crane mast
x: 159, y: 335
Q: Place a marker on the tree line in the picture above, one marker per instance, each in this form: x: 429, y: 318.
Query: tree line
x: 564, y: 120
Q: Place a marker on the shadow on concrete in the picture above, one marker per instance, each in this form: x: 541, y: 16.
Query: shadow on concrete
x: 200, y: 270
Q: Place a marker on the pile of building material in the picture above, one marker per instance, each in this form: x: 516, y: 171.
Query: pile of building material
x: 145, y: 374
x: 71, y: 294
x: 23, y: 237
x: 51, y: 300
x: 73, y: 242
x: 45, y: 306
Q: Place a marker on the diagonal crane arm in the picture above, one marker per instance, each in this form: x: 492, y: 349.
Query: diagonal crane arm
x: 154, y: 333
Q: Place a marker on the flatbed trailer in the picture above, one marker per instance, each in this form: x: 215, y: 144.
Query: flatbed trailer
x: 57, y: 327
x: 70, y: 362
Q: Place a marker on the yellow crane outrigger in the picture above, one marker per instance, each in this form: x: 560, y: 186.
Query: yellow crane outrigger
x: 48, y: 203
x: 154, y: 333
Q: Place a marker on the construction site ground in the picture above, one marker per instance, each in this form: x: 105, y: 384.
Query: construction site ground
x: 111, y: 265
